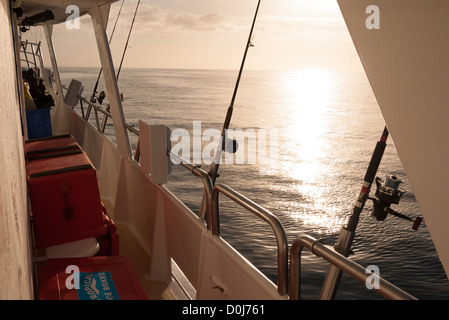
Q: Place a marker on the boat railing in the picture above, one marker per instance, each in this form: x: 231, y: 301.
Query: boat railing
x: 85, y: 114
x: 206, y: 207
x: 364, y: 275
x: 32, y: 54
x: 288, y: 282
x: 267, y: 216
x: 97, y: 108
x: 101, y: 123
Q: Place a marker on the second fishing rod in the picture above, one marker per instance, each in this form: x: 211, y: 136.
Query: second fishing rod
x: 213, y: 172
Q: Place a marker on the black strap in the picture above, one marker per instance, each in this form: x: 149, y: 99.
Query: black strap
x: 48, y: 138
x: 33, y: 152
x: 58, y: 171
x: 57, y: 154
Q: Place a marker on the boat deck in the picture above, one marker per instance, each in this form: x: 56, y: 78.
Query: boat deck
x: 130, y: 247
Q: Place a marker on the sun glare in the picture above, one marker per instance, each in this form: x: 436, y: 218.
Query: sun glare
x: 307, y: 92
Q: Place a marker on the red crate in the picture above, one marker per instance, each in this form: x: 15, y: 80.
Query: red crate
x: 101, y: 278
x: 65, y: 199
x: 52, y: 145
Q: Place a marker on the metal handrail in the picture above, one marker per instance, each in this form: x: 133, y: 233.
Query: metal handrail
x: 131, y: 128
x: 96, y: 109
x: 204, y: 176
x: 107, y: 115
x: 267, y: 216
x: 385, y: 288
x: 95, y: 106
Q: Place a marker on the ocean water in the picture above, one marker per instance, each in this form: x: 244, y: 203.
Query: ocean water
x: 320, y: 129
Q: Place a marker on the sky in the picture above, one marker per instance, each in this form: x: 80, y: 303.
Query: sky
x: 212, y: 34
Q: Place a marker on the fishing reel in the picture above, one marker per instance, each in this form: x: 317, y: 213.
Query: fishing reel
x: 388, y: 193
x: 101, y: 97
x: 231, y: 145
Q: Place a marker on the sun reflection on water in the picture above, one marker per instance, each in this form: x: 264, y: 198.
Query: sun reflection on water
x: 309, y: 93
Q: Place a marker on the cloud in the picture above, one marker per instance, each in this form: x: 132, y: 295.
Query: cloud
x: 160, y: 20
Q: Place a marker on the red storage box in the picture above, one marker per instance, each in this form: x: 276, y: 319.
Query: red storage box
x: 65, y: 199
x: 51, y: 145
x: 100, y: 278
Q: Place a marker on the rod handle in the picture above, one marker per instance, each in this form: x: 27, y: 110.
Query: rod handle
x: 417, y: 223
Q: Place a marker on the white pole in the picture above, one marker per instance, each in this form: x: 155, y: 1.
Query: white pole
x: 99, y: 20
x: 48, y: 29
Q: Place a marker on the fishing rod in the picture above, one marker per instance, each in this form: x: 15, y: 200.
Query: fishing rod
x: 92, y: 98
x: 213, y: 172
x: 127, y: 40
x: 102, y: 94
x: 346, y: 237
x: 387, y: 193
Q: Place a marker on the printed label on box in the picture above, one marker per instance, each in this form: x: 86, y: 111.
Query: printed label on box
x: 97, y: 286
